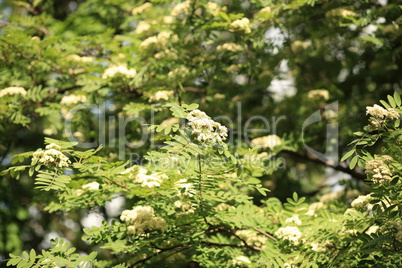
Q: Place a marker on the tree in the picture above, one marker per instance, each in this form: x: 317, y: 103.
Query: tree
x: 205, y: 117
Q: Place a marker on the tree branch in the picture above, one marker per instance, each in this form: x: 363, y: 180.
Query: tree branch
x: 339, y: 166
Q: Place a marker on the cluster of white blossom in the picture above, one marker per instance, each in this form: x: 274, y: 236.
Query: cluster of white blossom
x: 379, y: 170
x: 119, y: 69
x: 75, y: 57
x: 160, y: 40
x: 241, y: 25
x: 224, y: 206
x: 290, y: 233
x: 185, y: 206
x: 182, y: 9
x: 167, y: 53
x: 318, y: 247
x: 178, y: 73
x: 52, y: 154
x: 142, y: 219
x: 73, y: 99
x: 142, y: 27
x: 92, y: 186
x: 161, y: 95
x: 251, y: 237
x: 12, y: 91
x: 141, y: 9
x: 294, y: 220
x: 214, y: 9
x: 298, y: 46
x: 379, y: 114
x: 241, y: 261
x: 206, y: 129
x: 265, y: 10
x: 185, y: 188
x: 313, y: 207
x: 330, y: 197
x: 270, y: 141
x: 139, y: 175
x: 228, y: 47
x: 340, y: 12
x: 318, y: 94
x: 362, y: 202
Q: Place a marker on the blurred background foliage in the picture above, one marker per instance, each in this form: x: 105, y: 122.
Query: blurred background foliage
x: 293, y: 59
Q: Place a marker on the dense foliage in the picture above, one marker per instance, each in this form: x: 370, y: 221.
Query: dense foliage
x: 202, y: 133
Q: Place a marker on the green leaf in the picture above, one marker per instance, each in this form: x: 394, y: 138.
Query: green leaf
x: 391, y: 101
x: 397, y: 123
x: 397, y: 98
x: 386, y: 105
x: 348, y: 154
x: 353, y: 162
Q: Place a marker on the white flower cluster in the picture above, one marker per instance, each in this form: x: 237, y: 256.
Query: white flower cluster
x: 290, y: 233
x: 265, y: 10
x: 186, y: 206
x: 240, y: 261
x: 92, y: 186
x: 318, y: 94
x: 362, y: 202
x: 313, y: 207
x: 75, y: 57
x: 241, y: 25
x: 161, y: 95
x: 142, y: 219
x: 298, y: 46
x: 120, y: 69
x: 340, y: 12
x: 318, y: 247
x: 141, y: 9
x: 160, y: 40
x: 206, y: 129
x: 214, y: 8
x: 139, y: 175
x: 178, y: 73
x: 167, y: 53
x: 252, y: 238
x: 142, y: 27
x: 379, y: 170
x: 13, y: 91
x: 379, y: 114
x: 229, y: 47
x: 294, y: 220
x: 181, y: 9
x: 185, y: 188
x: 73, y: 99
x: 270, y: 141
x: 52, y: 154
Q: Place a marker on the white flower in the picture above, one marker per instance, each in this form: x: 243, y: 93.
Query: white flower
x: 229, y: 47
x: 142, y: 219
x: 372, y: 230
x: 270, y: 141
x: 12, y: 91
x: 378, y: 169
x: 252, y: 238
x: 294, y: 220
x: 214, y: 8
x: 317, y: 247
x: 142, y: 27
x: 241, y: 260
x: 206, y: 129
x: 75, y: 57
x: 178, y: 73
x: 52, y: 154
x: 161, y: 95
x: 361, y: 202
x: 265, y: 10
x: 289, y: 233
x: 380, y: 114
x: 185, y: 188
x: 181, y: 9
x: 318, y: 94
x: 141, y: 9
x: 298, y: 46
x: 79, y: 192
x: 241, y: 25
x: 92, y: 186
x: 160, y: 40
x: 73, y: 99
x: 340, y: 12
x: 120, y: 69
x: 168, y: 19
